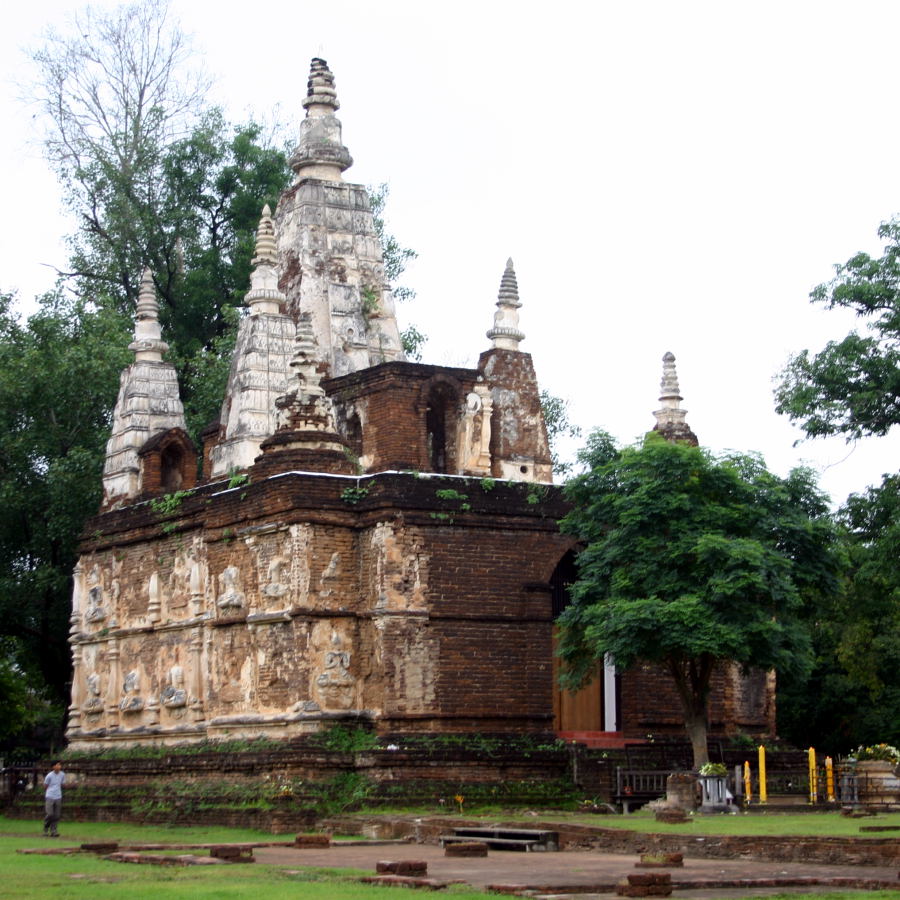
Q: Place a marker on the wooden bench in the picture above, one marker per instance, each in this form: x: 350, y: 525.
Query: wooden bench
x: 526, y: 839
x: 635, y: 787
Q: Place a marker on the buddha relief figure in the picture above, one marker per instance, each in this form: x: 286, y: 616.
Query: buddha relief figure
x: 132, y: 701
x: 174, y: 695
x: 230, y: 595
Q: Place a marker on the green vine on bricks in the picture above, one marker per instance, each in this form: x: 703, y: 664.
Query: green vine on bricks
x: 168, y: 503
x: 344, y: 739
x: 536, y: 493
x: 488, y: 484
x: 353, y: 495
x: 236, y: 479
x: 369, y: 300
x: 450, y: 494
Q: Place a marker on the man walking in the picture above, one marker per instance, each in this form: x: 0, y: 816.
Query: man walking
x: 53, y: 783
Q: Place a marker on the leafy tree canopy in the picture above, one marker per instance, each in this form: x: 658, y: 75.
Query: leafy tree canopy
x: 853, y: 694
x: 691, y: 561
x: 59, y: 374
x: 556, y: 418
x: 852, y: 386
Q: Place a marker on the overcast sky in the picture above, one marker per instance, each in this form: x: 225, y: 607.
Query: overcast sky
x: 666, y: 176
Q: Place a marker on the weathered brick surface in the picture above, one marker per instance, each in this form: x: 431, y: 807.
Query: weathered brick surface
x: 312, y: 840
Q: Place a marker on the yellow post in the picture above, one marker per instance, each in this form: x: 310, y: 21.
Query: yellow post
x: 813, y: 777
x: 763, y: 793
x: 748, y: 784
x: 829, y: 779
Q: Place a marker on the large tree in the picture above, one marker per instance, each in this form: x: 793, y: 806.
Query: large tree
x: 59, y: 374
x: 852, y: 386
x: 156, y: 178
x: 691, y: 561
x: 852, y: 696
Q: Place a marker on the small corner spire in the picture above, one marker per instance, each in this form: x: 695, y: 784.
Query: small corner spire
x: 148, y: 343
x: 266, y: 248
x: 305, y: 362
x: 670, y: 417
x: 506, y: 334
x: 320, y: 153
x: 264, y: 295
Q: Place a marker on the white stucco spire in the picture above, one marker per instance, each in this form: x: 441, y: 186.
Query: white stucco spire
x: 506, y: 334
x: 148, y: 343
x: 264, y: 296
x: 260, y: 370
x: 670, y: 417
x: 148, y: 403
x: 320, y: 153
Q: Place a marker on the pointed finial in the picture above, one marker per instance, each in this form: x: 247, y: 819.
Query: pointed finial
x: 320, y: 152
x: 669, y: 383
x: 506, y: 334
x: 264, y: 295
x: 670, y: 418
x: 147, y: 343
x: 320, y: 87
x: 147, y: 304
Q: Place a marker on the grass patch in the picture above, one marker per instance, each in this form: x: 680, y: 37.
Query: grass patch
x: 85, y: 877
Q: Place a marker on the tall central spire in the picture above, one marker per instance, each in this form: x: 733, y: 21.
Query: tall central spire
x: 331, y: 263
x: 321, y: 152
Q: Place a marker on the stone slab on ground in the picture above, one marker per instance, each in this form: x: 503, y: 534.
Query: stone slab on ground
x: 407, y: 881
x: 402, y: 867
x: 466, y: 848
x: 312, y: 840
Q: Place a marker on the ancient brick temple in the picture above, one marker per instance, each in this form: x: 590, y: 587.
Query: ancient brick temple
x: 361, y: 538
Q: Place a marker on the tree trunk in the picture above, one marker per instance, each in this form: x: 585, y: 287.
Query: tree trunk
x: 692, y: 679
x: 695, y: 725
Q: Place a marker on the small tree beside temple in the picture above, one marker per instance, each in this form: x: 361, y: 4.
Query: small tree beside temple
x: 691, y: 562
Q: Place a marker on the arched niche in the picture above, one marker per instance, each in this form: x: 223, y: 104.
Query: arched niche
x: 168, y: 463
x: 442, y: 398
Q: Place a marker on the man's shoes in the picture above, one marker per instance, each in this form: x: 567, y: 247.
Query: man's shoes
x: 54, y: 834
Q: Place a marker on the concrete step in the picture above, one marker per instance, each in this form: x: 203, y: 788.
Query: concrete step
x: 600, y: 740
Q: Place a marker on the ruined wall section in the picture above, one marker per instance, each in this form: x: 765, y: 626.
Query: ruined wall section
x: 390, y: 413
x: 272, y: 608
x: 737, y: 702
x: 461, y: 603
x: 332, y: 266
x: 518, y: 445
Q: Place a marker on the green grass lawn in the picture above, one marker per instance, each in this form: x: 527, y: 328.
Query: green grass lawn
x: 88, y: 877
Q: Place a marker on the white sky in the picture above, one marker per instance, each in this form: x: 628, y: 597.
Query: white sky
x: 666, y: 176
